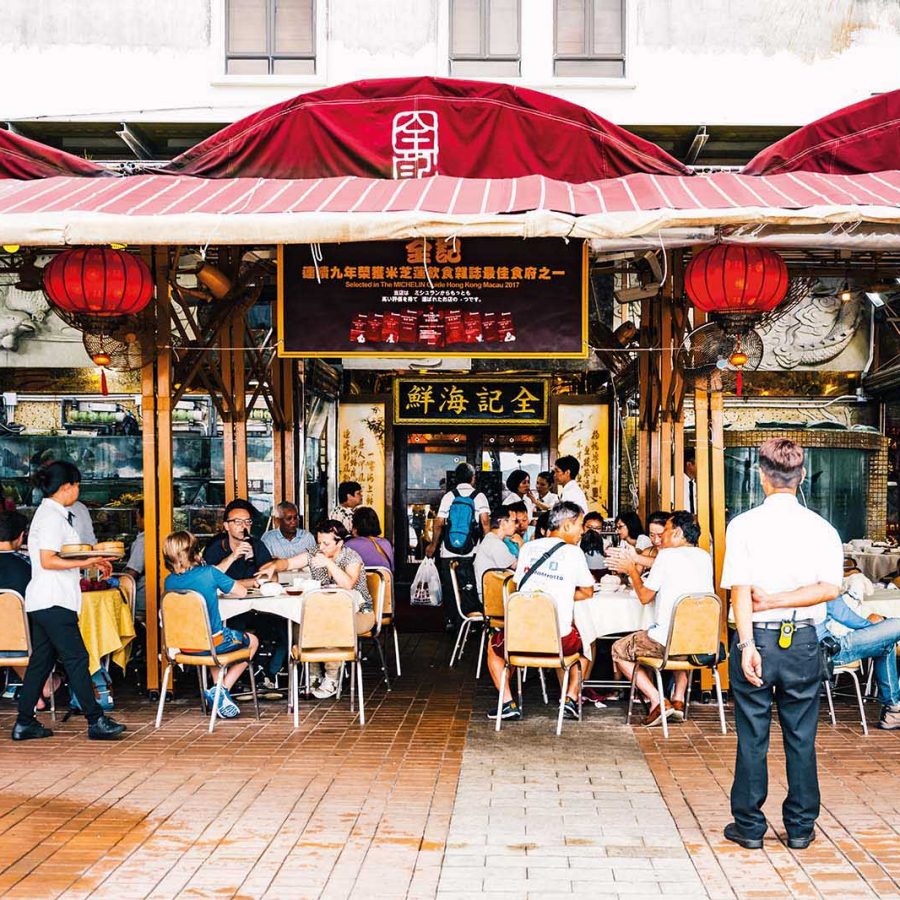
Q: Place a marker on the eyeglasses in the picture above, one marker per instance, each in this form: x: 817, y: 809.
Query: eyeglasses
x: 239, y: 521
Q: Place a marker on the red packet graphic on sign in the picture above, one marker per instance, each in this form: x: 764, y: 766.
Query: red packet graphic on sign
x: 491, y: 332
x: 373, y: 327
x: 409, y: 326
x: 472, y: 322
x: 453, y: 325
x: 431, y: 330
x: 506, y: 330
x: 358, y: 329
x: 390, y: 328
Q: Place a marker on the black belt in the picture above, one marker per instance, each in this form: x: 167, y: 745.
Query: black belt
x: 776, y: 626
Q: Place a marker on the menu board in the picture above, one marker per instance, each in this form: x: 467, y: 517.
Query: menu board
x: 426, y: 297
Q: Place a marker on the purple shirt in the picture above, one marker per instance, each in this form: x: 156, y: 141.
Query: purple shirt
x: 371, y: 555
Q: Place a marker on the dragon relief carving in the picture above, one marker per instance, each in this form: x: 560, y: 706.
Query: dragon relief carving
x: 812, y: 331
x: 22, y: 315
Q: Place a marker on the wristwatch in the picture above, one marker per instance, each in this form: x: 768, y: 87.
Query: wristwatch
x: 743, y: 645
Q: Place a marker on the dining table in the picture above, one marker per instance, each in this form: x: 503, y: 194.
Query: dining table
x: 611, y: 613
x: 875, y: 564
x: 106, y: 626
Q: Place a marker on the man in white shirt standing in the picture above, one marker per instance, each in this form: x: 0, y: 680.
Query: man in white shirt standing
x: 680, y: 567
x: 782, y: 563
x: 564, y: 473
x: 690, y: 481
x: 464, y: 517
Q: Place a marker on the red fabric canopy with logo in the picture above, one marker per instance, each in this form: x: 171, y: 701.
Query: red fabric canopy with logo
x: 25, y: 159
x: 864, y: 137
x: 417, y: 127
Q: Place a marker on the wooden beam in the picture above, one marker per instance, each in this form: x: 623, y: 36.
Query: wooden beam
x: 226, y: 363
x: 239, y: 387
x: 717, y: 479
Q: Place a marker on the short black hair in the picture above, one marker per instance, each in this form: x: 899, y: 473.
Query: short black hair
x: 346, y: 488
x: 499, y: 514
x: 464, y: 473
x: 518, y: 507
x: 542, y: 524
x: 12, y: 524
x: 515, y: 478
x: 241, y: 504
x: 688, y: 524
x: 568, y: 464
x: 658, y: 517
x: 51, y: 477
x: 547, y: 476
x: 690, y: 456
x: 591, y: 516
x: 333, y: 527
x: 366, y: 522
x: 632, y: 521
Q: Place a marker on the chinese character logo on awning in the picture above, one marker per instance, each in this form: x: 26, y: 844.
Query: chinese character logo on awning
x: 414, y: 138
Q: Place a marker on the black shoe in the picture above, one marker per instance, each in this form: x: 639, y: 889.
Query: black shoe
x: 736, y: 836
x: 30, y: 732
x: 801, y: 842
x: 570, y: 710
x: 105, y: 729
x: 510, y: 710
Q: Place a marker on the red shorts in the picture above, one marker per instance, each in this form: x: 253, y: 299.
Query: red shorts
x: 571, y: 643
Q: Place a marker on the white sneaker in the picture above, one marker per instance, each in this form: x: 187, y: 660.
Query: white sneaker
x: 327, y: 688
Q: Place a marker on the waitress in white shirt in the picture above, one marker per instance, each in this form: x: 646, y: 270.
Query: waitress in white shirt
x: 53, y: 601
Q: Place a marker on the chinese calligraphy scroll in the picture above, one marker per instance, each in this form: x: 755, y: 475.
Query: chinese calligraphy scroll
x: 470, y: 297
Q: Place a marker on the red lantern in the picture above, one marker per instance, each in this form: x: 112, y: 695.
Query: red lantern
x: 98, y: 282
x: 734, y: 279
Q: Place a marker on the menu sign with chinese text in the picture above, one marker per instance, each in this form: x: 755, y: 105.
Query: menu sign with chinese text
x: 471, y: 297
x: 470, y: 401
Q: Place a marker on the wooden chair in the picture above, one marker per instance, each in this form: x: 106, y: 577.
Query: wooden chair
x: 185, y: 624
x: 388, y: 622
x: 468, y: 619
x: 852, y: 669
x: 327, y: 634
x: 532, y: 638
x: 694, y: 630
x: 494, y: 591
x: 375, y: 581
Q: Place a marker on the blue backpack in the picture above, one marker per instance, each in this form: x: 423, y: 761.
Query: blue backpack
x: 459, y: 535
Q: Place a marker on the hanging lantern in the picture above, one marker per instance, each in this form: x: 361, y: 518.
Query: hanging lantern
x: 739, y: 359
x: 97, y: 283
x: 736, y: 280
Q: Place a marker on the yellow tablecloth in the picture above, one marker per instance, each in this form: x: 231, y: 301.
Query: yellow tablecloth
x: 106, y: 627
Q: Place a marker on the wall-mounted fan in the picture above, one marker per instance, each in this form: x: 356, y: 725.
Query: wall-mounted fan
x: 716, y: 358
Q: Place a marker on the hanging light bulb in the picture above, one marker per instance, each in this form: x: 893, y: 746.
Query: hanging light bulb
x: 846, y: 294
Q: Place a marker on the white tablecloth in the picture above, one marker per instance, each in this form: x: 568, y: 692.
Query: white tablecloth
x: 874, y: 566
x: 611, y: 612
x: 283, y: 605
x: 885, y: 602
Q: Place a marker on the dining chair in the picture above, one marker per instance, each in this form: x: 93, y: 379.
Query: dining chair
x: 388, y: 618
x: 468, y: 619
x: 852, y: 669
x: 327, y: 634
x: 532, y: 639
x: 694, y: 630
x: 185, y: 625
x: 15, y: 636
x: 494, y: 590
x: 375, y: 581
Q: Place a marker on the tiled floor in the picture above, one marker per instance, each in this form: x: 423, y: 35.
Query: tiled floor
x: 426, y: 801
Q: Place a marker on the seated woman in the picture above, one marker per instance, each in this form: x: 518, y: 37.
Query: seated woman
x: 631, y: 531
x: 367, y: 541
x: 189, y: 573
x: 335, y: 565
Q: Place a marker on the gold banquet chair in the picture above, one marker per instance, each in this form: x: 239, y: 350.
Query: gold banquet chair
x: 185, y: 623
x: 532, y: 639
x: 15, y: 637
x: 388, y: 621
x: 468, y: 620
x: 494, y: 591
x: 327, y: 634
x: 853, y: 669
x: 375, y: 581
x: 694, y: 630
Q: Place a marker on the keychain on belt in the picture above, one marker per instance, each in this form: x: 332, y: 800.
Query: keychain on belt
x: 786, y: 632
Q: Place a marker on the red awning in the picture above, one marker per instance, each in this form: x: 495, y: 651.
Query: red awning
x: 22, y: 158
x: 160, y: 195
x: 864, y: 137
x: 402, y: 127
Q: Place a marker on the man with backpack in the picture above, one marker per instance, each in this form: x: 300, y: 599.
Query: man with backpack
x: 464, y: 517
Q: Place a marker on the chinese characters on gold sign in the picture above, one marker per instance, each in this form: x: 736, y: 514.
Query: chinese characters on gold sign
x: 474, y: 297
x: 469, y: 400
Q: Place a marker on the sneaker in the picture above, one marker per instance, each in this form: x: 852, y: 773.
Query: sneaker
x: 890, y: 718
x: 589, y: 695
x: 570, y: 710
x: 510, y: 710
x: 228, y: 709
x: 326, y: 688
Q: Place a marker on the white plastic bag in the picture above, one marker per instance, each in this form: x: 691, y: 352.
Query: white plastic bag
x: 426, y: 586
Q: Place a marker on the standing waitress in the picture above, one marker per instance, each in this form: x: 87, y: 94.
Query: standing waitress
x: 53, y: 601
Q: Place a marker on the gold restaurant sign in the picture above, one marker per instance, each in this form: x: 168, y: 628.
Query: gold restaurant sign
x: 471, y: 400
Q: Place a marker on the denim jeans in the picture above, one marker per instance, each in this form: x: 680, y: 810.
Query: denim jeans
x: 878, y: 641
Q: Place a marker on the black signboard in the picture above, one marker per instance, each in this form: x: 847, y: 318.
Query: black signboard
x: 468, y: 297
x: 468, y: 400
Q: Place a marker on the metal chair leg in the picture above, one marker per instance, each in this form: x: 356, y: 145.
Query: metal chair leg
x: 162, y: 695
x: 503, y: 678
x: 630, y: 702
x: 580, y: 688
x: 383, y: 662
x: 562, y: 701
x: 359, y: 681
x: 216, y: 698
x: 859, y: 700
x: 519, y: 680
x: 200, y: 679
x: 352, y: 685
x: 481, y: 651
x: 830, y: 700
x: 456, y: 647
x: 662, y: 703
x: 340, y: 689
x: 253, y: 687
x: 687, y: 694
x: 396, y: 648
x: 543, y: 685
x: 715, y: 674
x: 295, y: 687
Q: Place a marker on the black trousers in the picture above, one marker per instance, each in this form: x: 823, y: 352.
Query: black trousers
x: 55, y: 635
x: 465, y: 578
x: 793, y: 677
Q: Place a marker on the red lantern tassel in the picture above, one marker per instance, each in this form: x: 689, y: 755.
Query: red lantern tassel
x: 104, y: 389
x: 739, y: 383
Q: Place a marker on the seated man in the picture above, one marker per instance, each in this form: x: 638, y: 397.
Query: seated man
x: 855, y: 582
x: 287, y: 538
x: 847, y: 635
x: 492, y: 552
x: 235, y: 552
x: 556, y: 566
x: 681, y: 567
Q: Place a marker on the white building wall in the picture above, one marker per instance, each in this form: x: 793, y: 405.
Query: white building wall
x: 689, y: 61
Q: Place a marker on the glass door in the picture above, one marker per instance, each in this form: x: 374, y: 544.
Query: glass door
x: 505, y: 452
